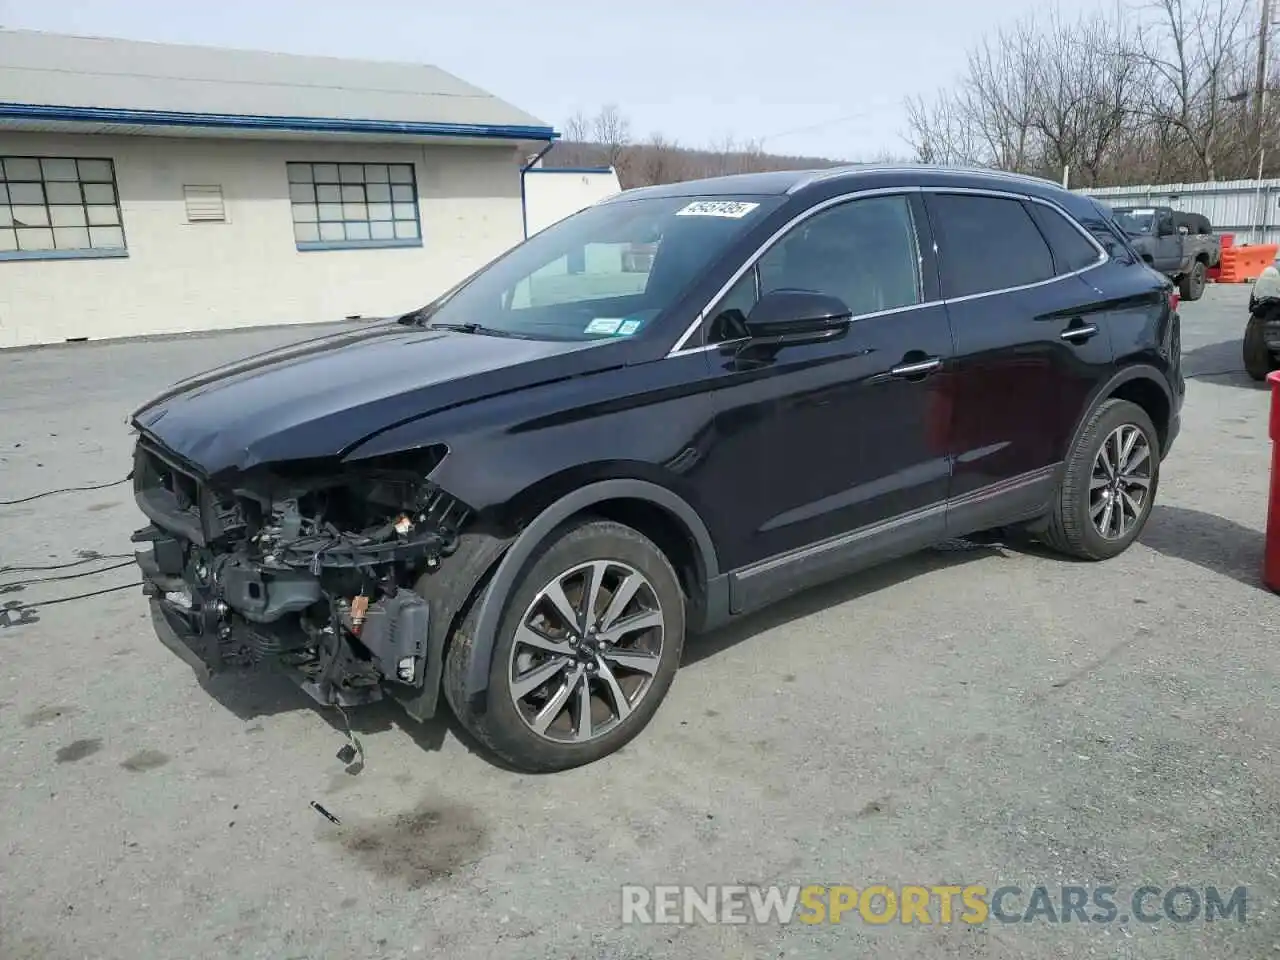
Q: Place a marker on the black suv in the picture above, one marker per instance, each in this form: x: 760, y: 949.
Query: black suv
x: 666, y: 411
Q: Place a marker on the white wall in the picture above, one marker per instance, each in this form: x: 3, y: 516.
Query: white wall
x: 551, y: 195
x: 181, y: 277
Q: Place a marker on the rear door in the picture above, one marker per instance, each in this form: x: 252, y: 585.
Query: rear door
x: 1031, y: 345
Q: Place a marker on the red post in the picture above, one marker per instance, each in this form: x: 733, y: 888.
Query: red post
x: 1271, y: 559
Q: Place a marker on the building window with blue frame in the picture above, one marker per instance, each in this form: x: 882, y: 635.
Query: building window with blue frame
x: 337, y: 205
x: 54, y: 207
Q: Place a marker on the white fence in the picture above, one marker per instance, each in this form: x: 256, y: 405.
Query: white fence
x: 1248, y: 208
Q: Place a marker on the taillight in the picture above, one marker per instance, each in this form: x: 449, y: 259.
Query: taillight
x: 1174, y: 300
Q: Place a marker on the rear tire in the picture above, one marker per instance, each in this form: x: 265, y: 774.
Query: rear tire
x: 1103, y: 502
x: 1191, y: 285
x: 541, y: 665
x: 1258, y: 360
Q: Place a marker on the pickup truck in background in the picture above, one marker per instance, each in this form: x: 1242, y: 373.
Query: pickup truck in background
x: 1180, y: 245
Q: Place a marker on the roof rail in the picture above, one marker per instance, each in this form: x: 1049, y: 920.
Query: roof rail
x: 831, y: 173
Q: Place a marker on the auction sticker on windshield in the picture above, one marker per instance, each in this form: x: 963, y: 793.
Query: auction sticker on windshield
x: 733, y: 209
x: 604, y: 325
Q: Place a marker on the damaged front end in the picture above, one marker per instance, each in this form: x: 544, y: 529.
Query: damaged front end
x: 310, y: 567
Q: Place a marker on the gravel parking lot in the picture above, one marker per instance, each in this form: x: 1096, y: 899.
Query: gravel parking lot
x: 988, y: 716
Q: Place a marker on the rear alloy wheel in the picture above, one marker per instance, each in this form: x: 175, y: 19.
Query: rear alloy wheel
x: 588, y: 647
x: 1120, y: 483
x: 1191, y: 286
x: 1258, y: 359
x: 1108, y: 484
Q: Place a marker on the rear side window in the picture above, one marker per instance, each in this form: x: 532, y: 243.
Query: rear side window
x: 1071, y: 251
x: 1103, y: 227
x: 986, y: 244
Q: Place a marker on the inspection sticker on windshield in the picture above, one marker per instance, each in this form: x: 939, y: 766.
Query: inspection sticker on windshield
x: 628, y: 327
x: 604, y: 325
x: 733, y: 209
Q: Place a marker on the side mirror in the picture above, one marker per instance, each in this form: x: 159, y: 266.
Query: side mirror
x: 789, y: 313
x: 1165, y: 228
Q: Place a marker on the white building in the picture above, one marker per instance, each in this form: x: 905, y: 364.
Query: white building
x: 553, y: 193
x: 149, y: 188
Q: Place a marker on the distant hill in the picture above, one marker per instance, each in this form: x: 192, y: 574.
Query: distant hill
x: 657, y: 161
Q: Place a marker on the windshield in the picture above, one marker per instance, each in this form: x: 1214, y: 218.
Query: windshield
x: 604, y: 272
x: 1136, y: 223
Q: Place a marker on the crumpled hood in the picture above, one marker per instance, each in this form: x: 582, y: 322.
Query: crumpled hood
x: 321, y: 397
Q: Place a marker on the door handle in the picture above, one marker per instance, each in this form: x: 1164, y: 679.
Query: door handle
x: 1079, y: 334
x: 918, y: 368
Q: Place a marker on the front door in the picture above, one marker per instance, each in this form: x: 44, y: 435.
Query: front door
x: 828, y: 455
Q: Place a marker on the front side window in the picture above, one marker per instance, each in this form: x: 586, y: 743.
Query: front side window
x: 987, y: 244
x: 56, y: 206
x: 604, y: 272
x: 864, y: 252
x: 354, y: 205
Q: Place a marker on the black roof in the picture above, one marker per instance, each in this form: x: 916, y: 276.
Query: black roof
x: 815, y: 185
x: 846, y: 177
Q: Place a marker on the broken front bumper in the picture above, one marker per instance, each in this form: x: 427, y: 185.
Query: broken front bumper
x: 226, y: 612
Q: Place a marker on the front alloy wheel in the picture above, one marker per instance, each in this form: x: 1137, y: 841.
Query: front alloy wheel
x: 589, y: 643
x: 1120, y: 483
x: 586, y: 651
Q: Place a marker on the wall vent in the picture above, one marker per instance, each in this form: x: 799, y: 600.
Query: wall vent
x: 204, y: 204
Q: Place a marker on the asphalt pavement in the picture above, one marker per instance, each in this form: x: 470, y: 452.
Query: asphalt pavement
x: 992, y: 716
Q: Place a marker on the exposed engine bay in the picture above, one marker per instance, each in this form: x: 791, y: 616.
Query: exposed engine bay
x: 307, y: 567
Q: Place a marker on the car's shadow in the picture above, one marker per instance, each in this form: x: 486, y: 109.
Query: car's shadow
x: 1207, y: 540
x: 1220, y: 363
x: 253, y: 694
x: 817, y: 599
x: 1212, y: 542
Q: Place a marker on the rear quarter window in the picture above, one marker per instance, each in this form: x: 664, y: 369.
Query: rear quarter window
x: 1071, y: 251
x: 987, y: 244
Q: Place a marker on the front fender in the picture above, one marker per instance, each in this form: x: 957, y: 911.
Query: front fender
x: 521, y: 550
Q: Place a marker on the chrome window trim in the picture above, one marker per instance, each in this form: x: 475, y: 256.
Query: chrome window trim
x: 1103, y: 257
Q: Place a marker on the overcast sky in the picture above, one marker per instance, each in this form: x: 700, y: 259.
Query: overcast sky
x: 819, y: 77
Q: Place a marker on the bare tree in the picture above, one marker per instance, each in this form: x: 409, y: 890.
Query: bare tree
x: 662, y: 161
x: 612, y: 130
x: 577, y: 129
x: 938, y: 132
x: 1194, y: 50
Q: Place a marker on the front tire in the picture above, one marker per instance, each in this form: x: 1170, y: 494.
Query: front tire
x: 589, y: 643
x: 1108, y: 484
x: 1258, y: 360
x: 1191, y: 285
